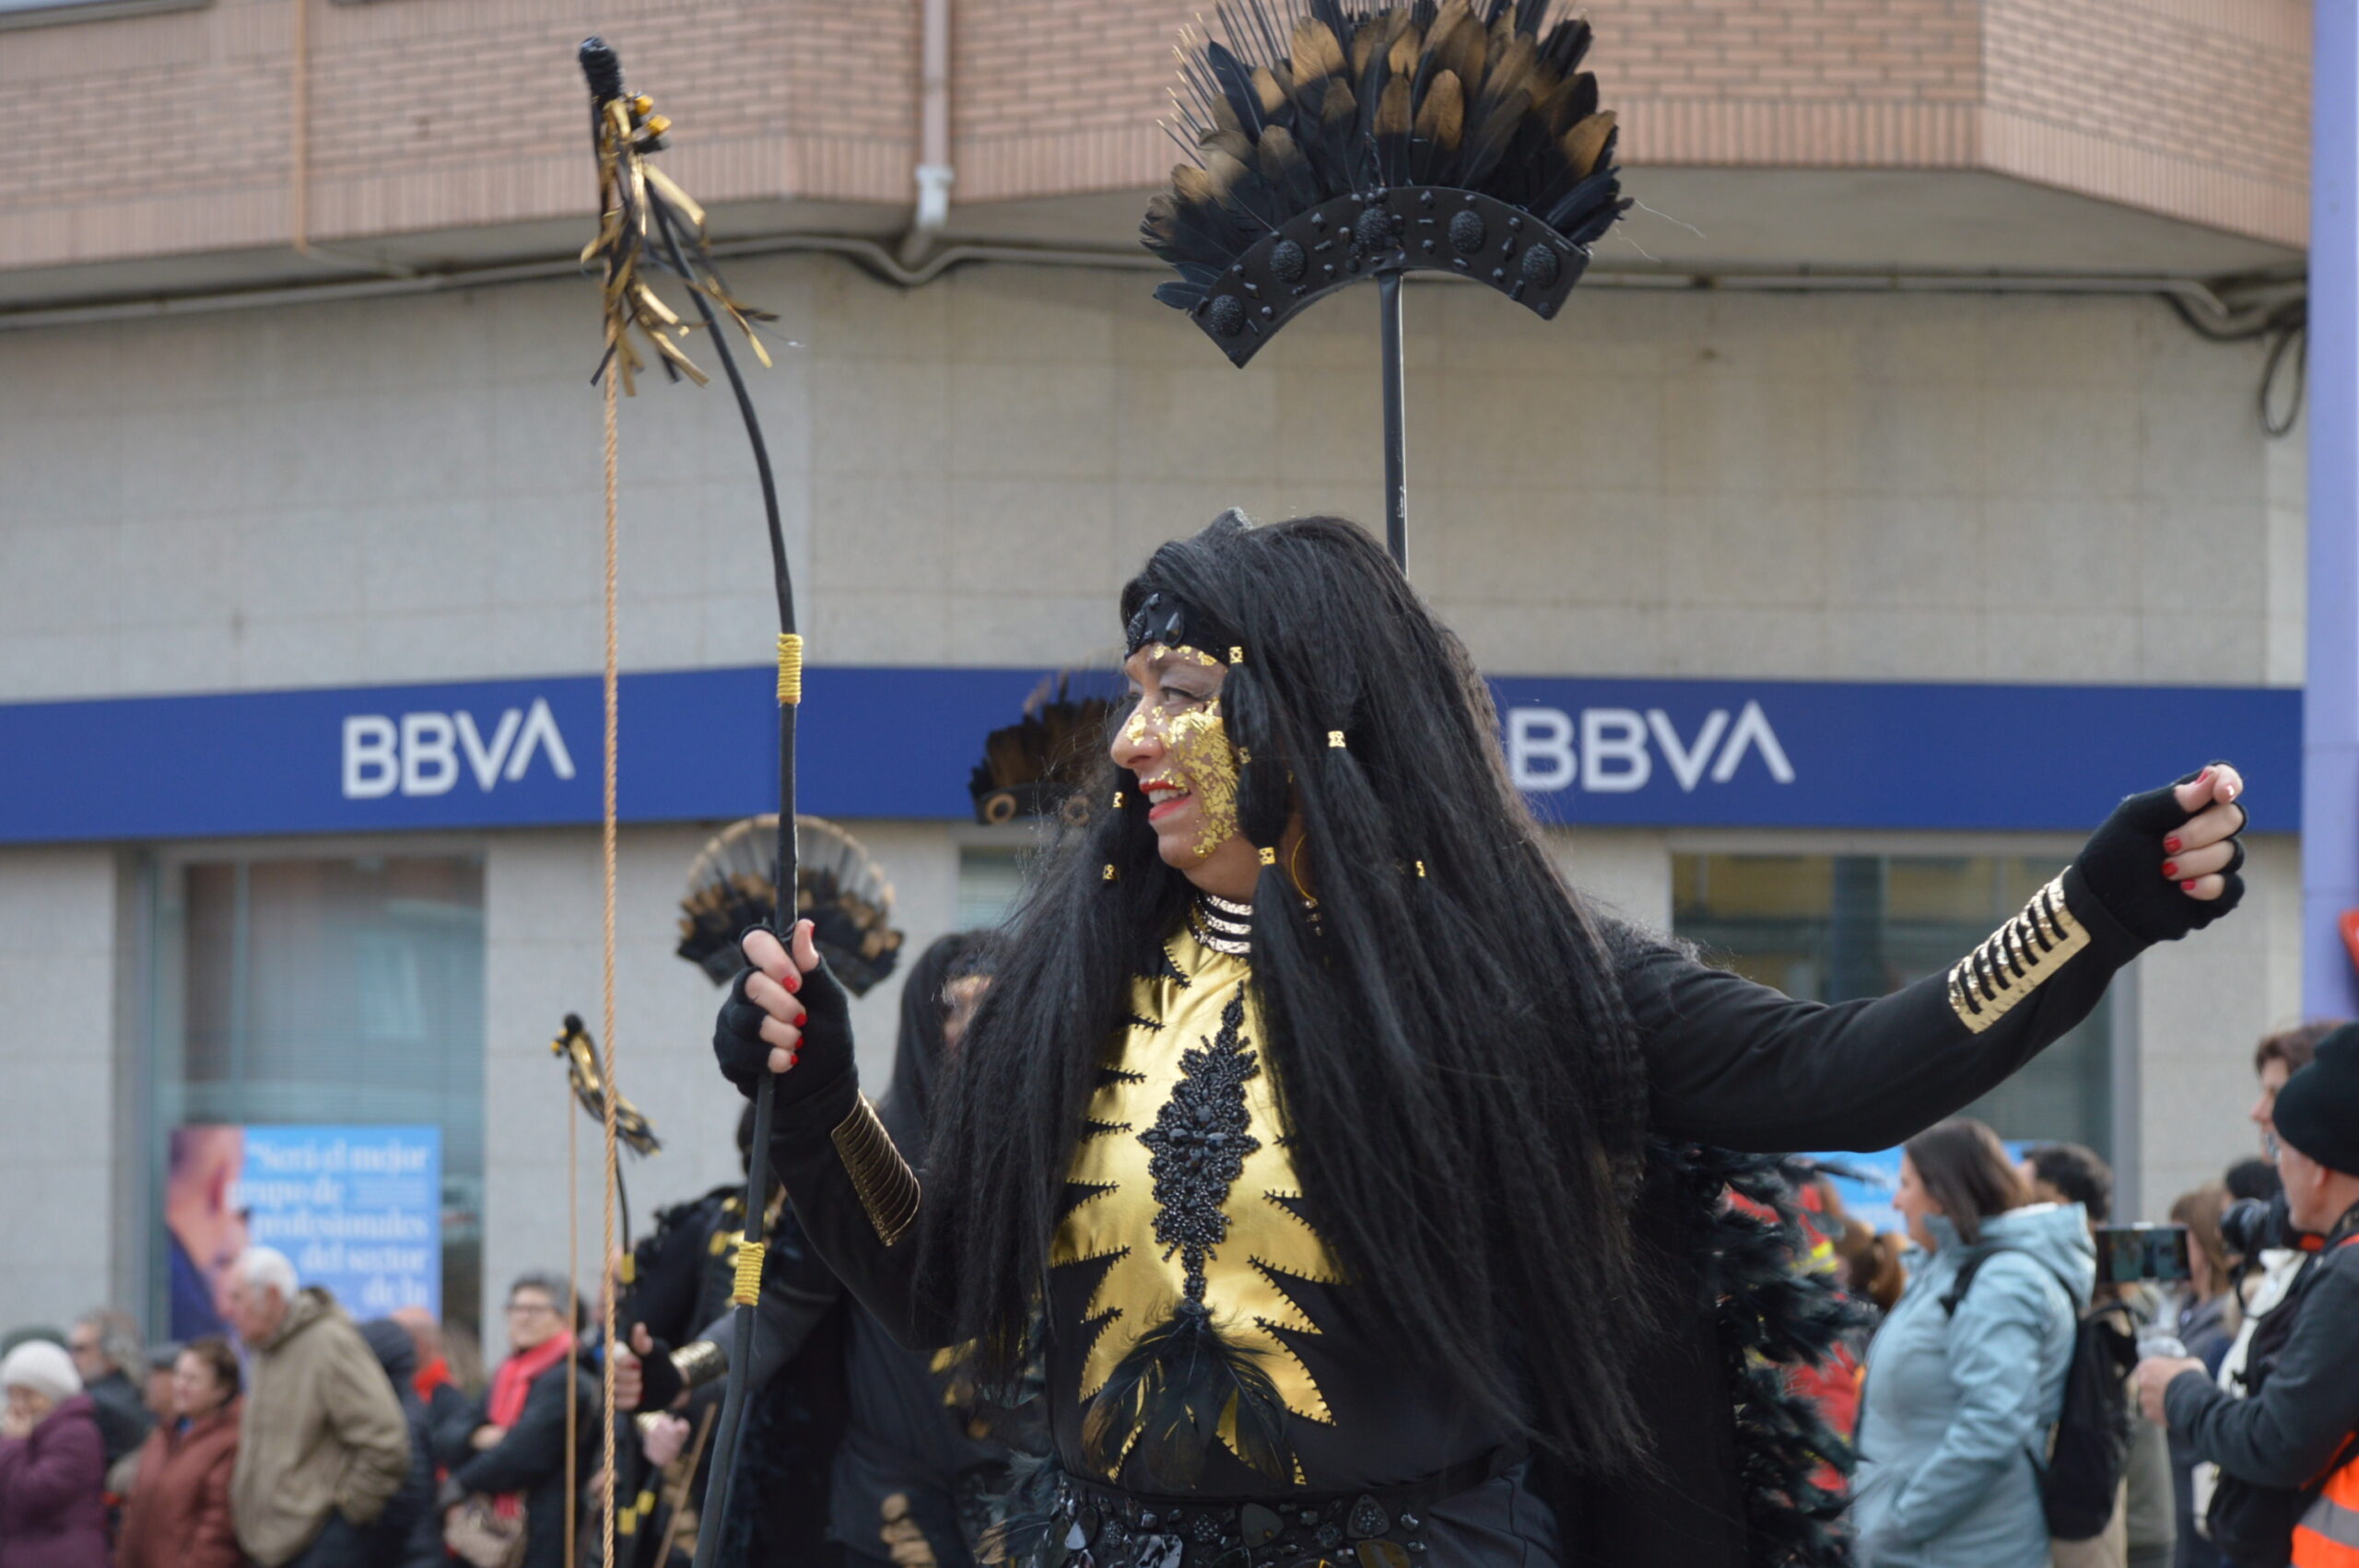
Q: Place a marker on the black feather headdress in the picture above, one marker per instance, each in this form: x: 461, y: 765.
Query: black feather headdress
x: 838, y: 888
x: 1334, y: 140
x: 1036, y: 767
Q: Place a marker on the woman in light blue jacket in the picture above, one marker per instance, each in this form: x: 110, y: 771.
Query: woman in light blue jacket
x: 1954, y: 1416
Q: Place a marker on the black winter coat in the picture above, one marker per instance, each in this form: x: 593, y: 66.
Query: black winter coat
x: 530, y: 1460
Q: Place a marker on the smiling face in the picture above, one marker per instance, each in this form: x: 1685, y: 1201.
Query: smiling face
x: 1176, y: 744
x: 196, y: 1387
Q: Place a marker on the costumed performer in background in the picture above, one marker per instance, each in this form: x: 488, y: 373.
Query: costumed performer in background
x: 921, y: 1461
x: 1354, y: 1175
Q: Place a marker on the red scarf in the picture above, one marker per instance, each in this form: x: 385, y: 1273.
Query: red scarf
x: 434, y: 1375
x: 512, y: 1384
x: 511, y: 1387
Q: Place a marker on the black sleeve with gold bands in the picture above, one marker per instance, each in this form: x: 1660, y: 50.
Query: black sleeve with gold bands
x: 1737, y: 1064
x: 855, y: 1197
x: 888, y: 1187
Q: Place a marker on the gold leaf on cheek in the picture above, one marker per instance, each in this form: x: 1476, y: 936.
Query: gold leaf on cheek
x: 1198, y: 743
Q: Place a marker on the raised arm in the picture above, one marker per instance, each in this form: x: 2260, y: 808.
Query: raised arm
x: 855, y: 1196
x: 1741, y: 1065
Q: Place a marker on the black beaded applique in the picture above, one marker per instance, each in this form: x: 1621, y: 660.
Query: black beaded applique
x: 1200, y: 1144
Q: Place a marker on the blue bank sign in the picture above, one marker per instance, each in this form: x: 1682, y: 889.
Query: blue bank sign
x: 899, y: 742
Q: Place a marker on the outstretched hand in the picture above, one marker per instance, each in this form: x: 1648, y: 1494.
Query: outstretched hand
x: 2165, y: 863
x: 2197, y: 854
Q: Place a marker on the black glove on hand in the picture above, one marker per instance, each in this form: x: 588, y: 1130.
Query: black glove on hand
x: 2122, y: 863
x: 659, y: 1381
x: 822, y: 1056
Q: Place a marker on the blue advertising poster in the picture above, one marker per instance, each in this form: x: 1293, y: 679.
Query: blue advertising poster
x: 358, y: 1209
x: 355, y: 1209
x: 1865, y: 1183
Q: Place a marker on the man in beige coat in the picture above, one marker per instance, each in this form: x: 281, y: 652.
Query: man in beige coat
x: 323, y: 1445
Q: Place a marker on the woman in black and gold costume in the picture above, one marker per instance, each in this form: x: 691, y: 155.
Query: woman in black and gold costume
x: 1350, y: 1174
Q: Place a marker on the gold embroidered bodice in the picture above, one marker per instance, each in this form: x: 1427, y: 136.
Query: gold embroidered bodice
x: 1198, y: 1007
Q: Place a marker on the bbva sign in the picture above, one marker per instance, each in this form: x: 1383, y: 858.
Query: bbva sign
x: 1617, y: 748
x: 420, y: 753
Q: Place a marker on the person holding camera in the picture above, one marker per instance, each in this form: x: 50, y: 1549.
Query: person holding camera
x: 2288, y: 1451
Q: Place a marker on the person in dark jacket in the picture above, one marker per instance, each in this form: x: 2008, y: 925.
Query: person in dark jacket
x: 435, y: 1386
x: 911, y: 1469
x: 2297, y: 1428
x: 2208, y: 1321
x: 510, y: 1447
x: 106, y: 1348
x: 52, y: 1465
x: 408, y: 1534
x: 179, y: 1512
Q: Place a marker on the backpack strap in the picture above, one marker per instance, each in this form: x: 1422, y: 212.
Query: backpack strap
x: 1965, y: 1281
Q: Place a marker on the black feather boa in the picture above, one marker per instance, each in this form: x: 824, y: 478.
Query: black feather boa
x: 1773, y: 1318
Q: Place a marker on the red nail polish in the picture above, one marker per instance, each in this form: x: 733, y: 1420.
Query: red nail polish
x: 2170, y: 845
x: 799, y: 1018
x: 2170, y: 868
x: 2186, y: 887
x: 793, y: 982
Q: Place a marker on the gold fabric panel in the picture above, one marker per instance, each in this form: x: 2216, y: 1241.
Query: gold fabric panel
x: 1178, y: 1011
x: 2016, y: 959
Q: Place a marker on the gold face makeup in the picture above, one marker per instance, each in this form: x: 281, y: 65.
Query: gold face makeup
x: 1198, y: 743
x: 1199, y: 759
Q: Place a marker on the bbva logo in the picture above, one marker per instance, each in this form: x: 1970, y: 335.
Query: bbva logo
x: 1612, y: 755
x: 420, y: 753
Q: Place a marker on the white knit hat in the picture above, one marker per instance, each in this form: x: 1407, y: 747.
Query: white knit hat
x: 43, y: 1367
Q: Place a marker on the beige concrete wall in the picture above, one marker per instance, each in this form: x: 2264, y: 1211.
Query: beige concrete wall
x: 2000, y: 488
x: 59, y: 1176
x: 2202, y: 1005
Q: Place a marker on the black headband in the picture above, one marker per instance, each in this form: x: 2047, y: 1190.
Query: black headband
x: 1162, y: 616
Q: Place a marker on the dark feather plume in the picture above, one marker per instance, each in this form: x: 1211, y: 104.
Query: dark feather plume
x: 1175, y: 1389
x: 1774, y: 1317
x: 1357, y: 95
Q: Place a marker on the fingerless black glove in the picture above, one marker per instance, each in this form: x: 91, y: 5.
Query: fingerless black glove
x: 659, y: 1378
x: 2122, y: 863
x: 824, y: 1057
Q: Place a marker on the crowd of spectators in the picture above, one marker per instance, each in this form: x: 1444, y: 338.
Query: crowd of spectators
x: 302, y: 1440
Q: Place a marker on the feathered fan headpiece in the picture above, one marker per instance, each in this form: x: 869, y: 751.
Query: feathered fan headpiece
x: 1038, y: 765
x: 837, y: 888
x: 1336, y: 140
x: 1352, y: 137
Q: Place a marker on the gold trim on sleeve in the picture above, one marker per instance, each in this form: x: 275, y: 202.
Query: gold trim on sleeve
x: 888, y: 1187
x: 700, y: 1362
x: 2016, y: 959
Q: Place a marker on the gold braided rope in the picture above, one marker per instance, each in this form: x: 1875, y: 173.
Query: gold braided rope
x: 606, y: 1273
x: 789, y: 667
x: 748, y: 1289
x: 573, y: 1305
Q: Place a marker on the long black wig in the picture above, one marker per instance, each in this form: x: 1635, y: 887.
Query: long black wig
x: 1463, y: 1086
